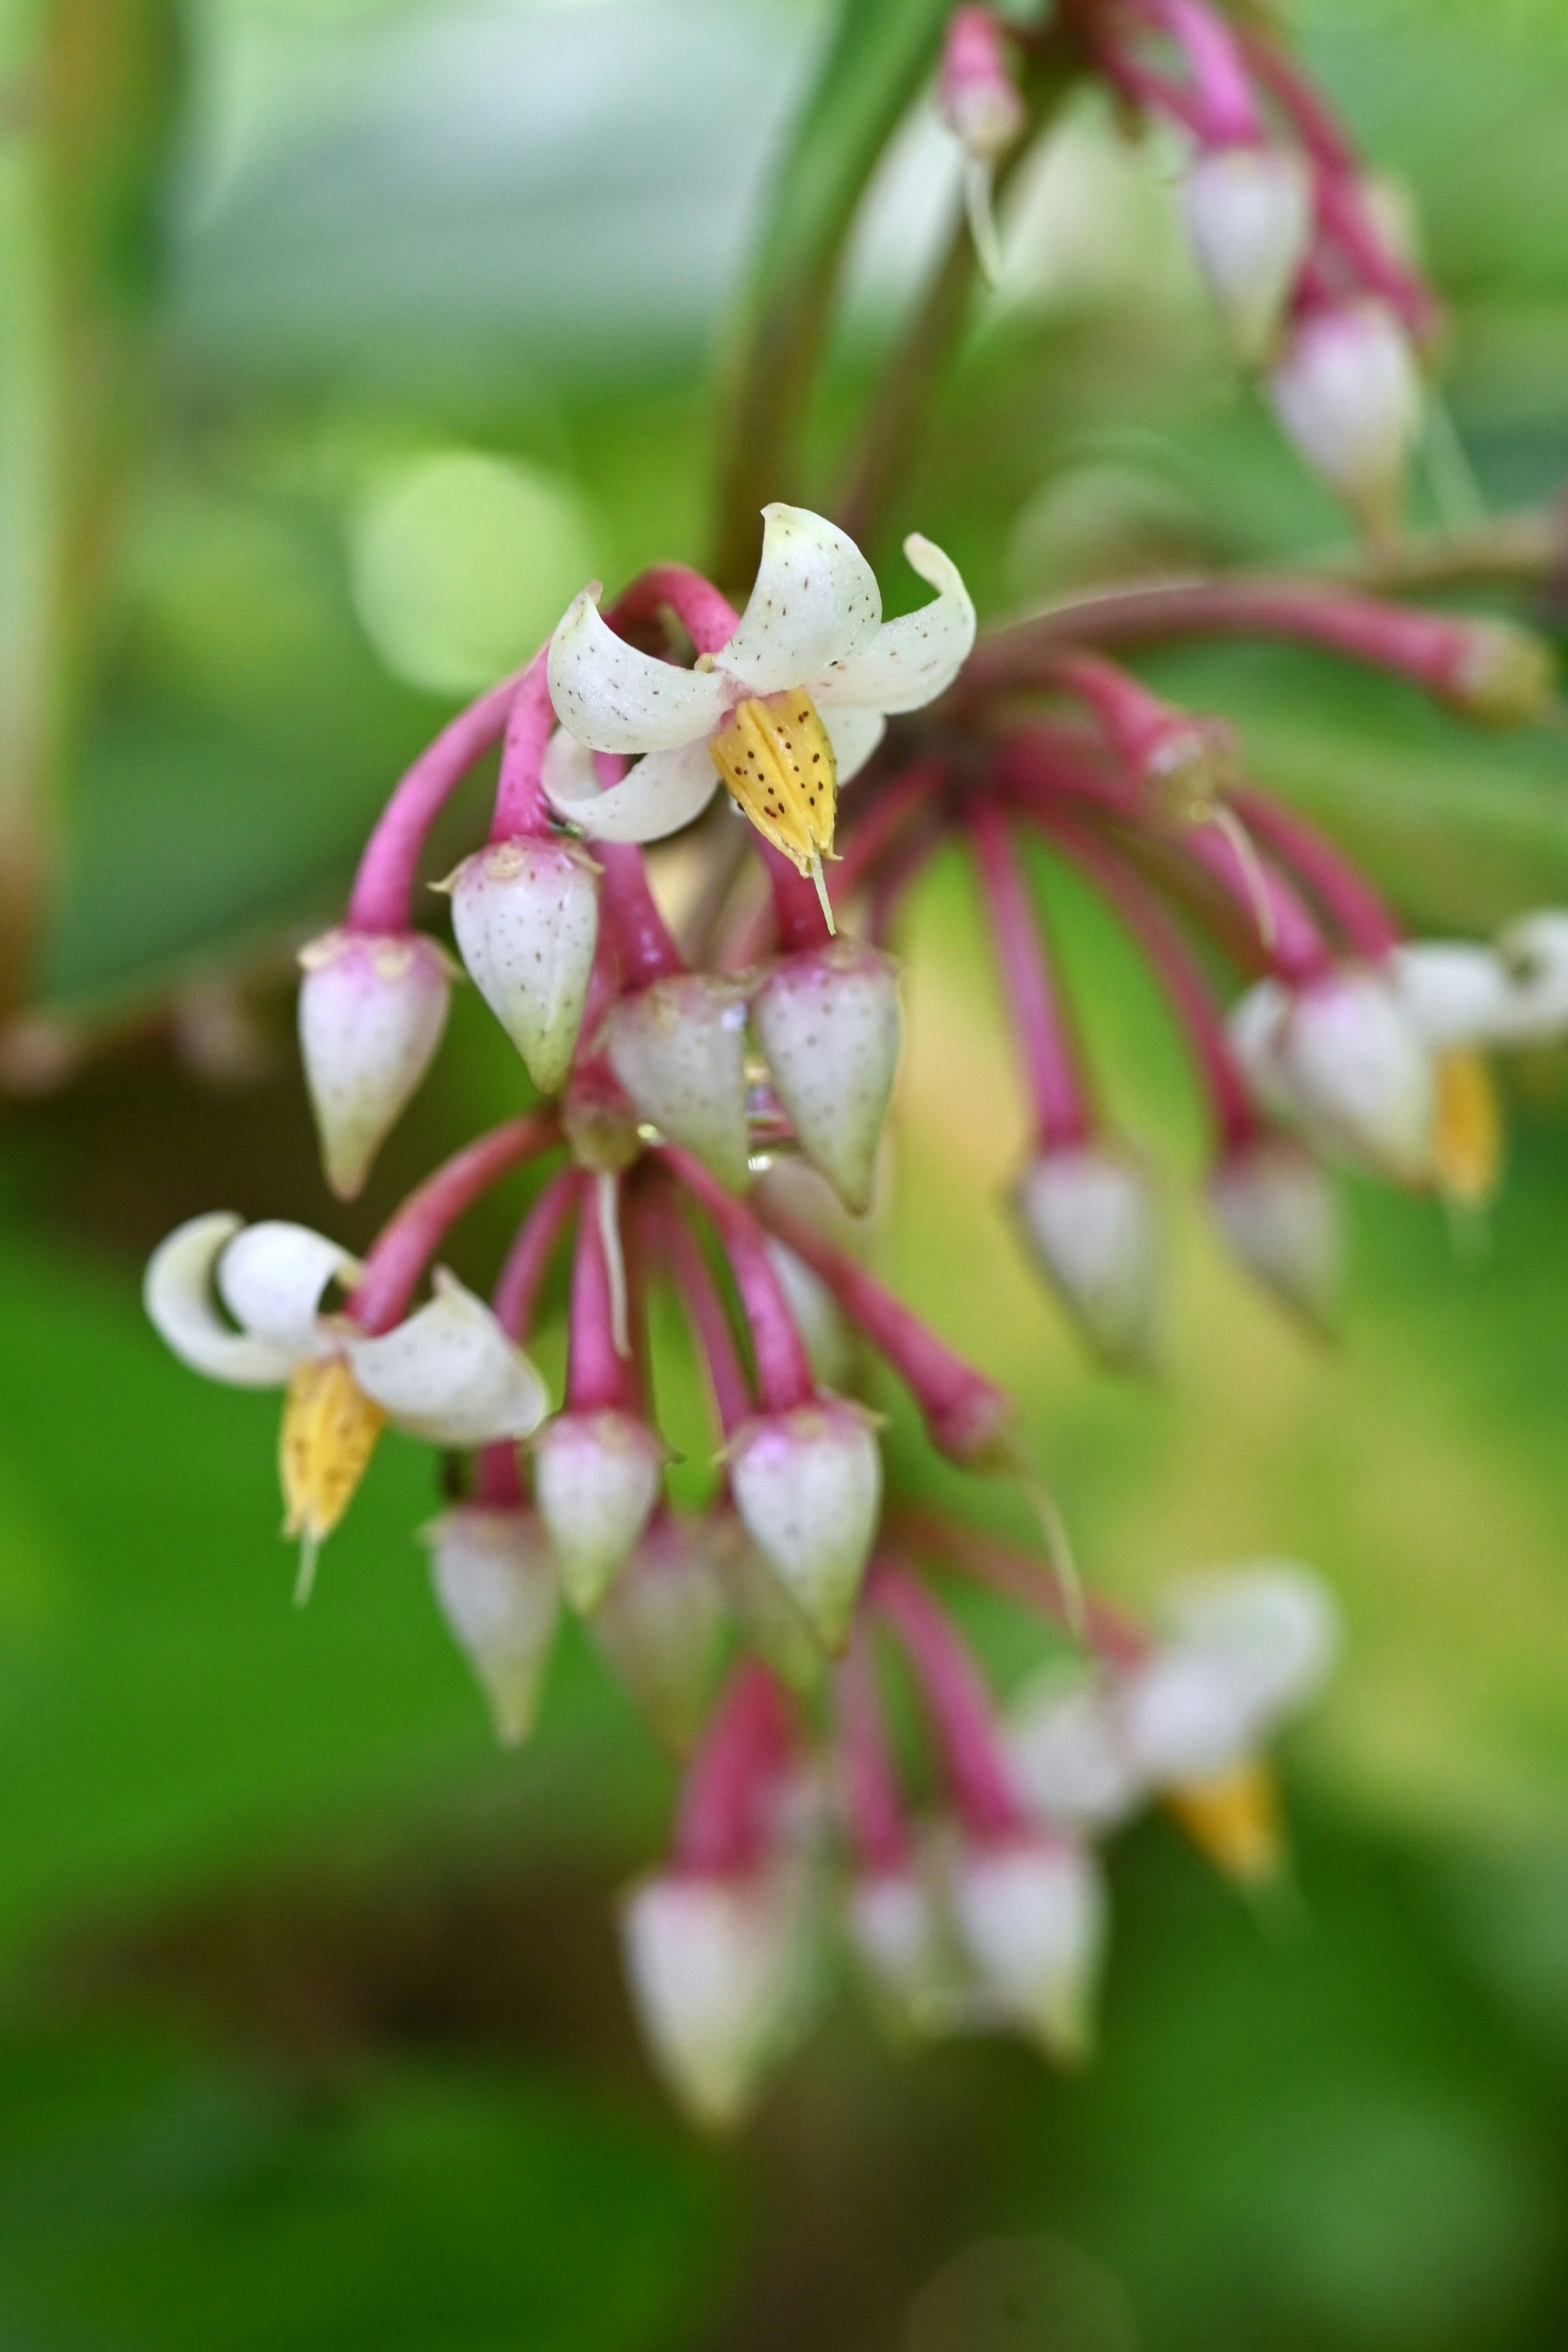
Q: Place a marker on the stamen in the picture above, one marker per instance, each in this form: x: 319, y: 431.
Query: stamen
x: 607, y: 1201
x: 329, y: 1434
x: 1225, y: 820
x: 776, y: 760
x: 823, y: 899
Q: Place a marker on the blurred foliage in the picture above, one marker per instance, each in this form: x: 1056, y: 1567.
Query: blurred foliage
x: 311, y: 2030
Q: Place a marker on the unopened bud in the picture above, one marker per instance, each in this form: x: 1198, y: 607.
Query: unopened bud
x: 976, y: 92
x: 1506, y: 676
x: 827, y: 1019
x: 660, y: 1625
x: 769, y: 1623
x: 1343, y: 1056
x: 1088, y: 1216
x: 596, y: 1476
x: 679, y: 1048
x: 1248, y: 212
x: 1031, y: 1913
x: 526, y: 916
x: 1347, y: 391
x: 372, y: 1010
x: 1277, y: 1208
x: 497, y: 1587
x: 897, y: 1929
x: 808, y: 1485
x: 720, y: 1970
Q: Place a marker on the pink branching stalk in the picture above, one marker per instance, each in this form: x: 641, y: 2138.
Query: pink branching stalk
x: 783, y: 1373
x: 726, y: 1818
x: 958, y: 1701
x: 869, y: 1782
x: 383, y: 891
x: 405, y: 1246
x: 1056, y: 1085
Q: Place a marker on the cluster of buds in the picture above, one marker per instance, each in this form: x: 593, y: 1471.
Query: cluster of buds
x: 711, y: 1126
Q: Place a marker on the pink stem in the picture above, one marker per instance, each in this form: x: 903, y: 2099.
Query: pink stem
x: 709, y: 619
x: 642, y: 943
x: 693, y: 1278
x: 798, y: 919
x: 783, y: 1371
x: 1044, y: 763
x: 1139, y: 725
x: 1295, y: 948
x: 1180, y: 976
x: 1318, y: 127
x: 599, y: 1378
x: 1352, y: 905
x: 1342, y: 214
x: 1432, y: 650
x: 516, y: 1295
x: 890, y: 810
x: 959, y: 1702
x: 498, y: 1482
x: 405, y: 1246
x: 870, y: 1785
x: 722, y: 1824
x: 1228, y: 115
x: 383, y: 885
x: 966, y: 1415
x: 1061, y: 1113
x: 520, y: 807
x: 897, y: 877
x: 1019, y: 1576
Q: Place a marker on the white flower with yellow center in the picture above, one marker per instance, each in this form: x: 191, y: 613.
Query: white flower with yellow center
x: 791, y: 706
x: 446, y: 1373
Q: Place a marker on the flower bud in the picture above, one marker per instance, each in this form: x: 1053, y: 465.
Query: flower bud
x: 1031, y: 1914
x: 828, y: 1019
x: 596, y: 1476
x: 808, y: 1485
x: 769, y: 1623
x: 679, y: 1048
x: 896, y: 1930
x: 1277, y: 1208
x: 497, y: 1588
x: 1089, y: 1216
x: 976, y: 92
x: 1506, y: 676
x: 372, y: 1010
x: 720, y: 1972
x: 1343, y: 1056
x: 659, y: 1626
x: 1347, y: 392
x: 1248, y: 212
x: 526, y: 916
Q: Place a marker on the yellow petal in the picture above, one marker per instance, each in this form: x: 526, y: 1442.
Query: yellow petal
x: 776, y: 760
x: 1235, y: 1820
x: 1467, y: 1146
x: 329, y: 1434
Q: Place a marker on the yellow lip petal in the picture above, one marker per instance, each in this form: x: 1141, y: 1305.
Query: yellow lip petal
x: 1234, y: 1818
x: 1468, y: 1145
x: 329, y: 1434
x: 776, y: 761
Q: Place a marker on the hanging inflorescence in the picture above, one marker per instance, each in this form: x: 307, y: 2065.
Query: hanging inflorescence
x: 710, y: 1127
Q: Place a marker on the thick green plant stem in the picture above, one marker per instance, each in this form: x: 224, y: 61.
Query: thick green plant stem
x: 876, y: 61
x: 86, y: 91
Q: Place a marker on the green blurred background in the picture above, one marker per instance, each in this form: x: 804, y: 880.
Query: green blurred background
x: 343, y: 339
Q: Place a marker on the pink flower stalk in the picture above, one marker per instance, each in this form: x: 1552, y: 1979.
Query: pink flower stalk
x: 1365, y: 925
x: 1050, y: 1062
x: 383, y: 891
x: 784, y: 1373
x: 409, y: 1240
x: 1180, y: 761
x: 957, y: 1699
x: 727, y: 1820
x: 1292, y: 945
x: 1220, y: 109
x: 981, y: 106
x: 966, y: 1417
x: 1021, y: 1577
x: 869, y: 1781
x: 709, y: 618
x: 675, y: 1243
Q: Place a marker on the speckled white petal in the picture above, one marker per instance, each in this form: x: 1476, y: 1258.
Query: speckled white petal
x: 1457, y: 993
x: 816, y: 602
x: 909, y: 661
x: 854, y: 735
x: 449, y: 1374
x: 271, y: 1278
x: 177, y: 1294
x: 614, y: 698
x: 658, y: 796
x: 1273, y: 1626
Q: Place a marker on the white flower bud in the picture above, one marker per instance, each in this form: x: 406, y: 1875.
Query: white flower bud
x: 1088, y: 1214
x: 497, y: 1587
x: 1031, y: 1915
x: 828, y: 1022
x: 1248, y: 212
x: 769, y: 1623
x: 900, y: 1940
x: 1347, y: 391
x: 808, y: 1485
x: 680, y: 1050
x: 1344, y: 1056
x: 1247, y: 1649
x: 372, y: 1010
x: 526, y: 916
x: 1278, y: 1209
x: 1068, y: 1760
x: 828, y: 1341
x: 596, y: 1476
x: 720, y: 1972
x: 661, y: 1625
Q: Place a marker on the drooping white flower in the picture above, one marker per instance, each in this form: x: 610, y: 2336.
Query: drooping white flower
x: 1030, y: 1912
x: 793, y: 706
x: 808, y: 1486
x: 1275, y: 1204
x: 1245, y: 1649
x: 1461, y: 995
x: 447, y: 1373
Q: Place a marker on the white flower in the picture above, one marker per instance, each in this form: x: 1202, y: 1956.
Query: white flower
x: 1247, y: 1650
x: 447, y: 1373
x: 812, y: 635
x: 1459, y: 994
x: 1345, y: 1057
